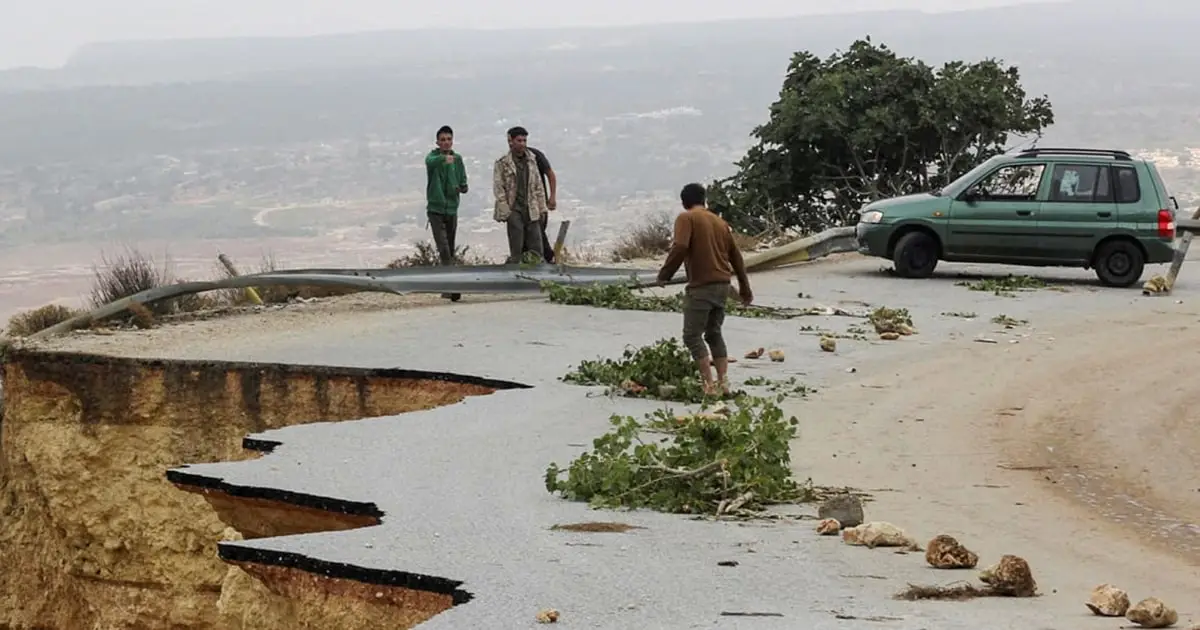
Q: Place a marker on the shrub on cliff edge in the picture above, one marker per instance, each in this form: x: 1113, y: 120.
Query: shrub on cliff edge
x: 38, y: 319
x: 126, y: 275
x: 650, y: 239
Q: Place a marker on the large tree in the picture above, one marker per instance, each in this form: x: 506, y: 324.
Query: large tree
x: 865, y: 124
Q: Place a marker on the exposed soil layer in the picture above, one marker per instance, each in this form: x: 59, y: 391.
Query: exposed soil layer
x: 266, y: 597
x: 92, y: 534
x: 254, y: 517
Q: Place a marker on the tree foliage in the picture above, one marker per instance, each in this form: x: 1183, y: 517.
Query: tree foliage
x: 865, y: 124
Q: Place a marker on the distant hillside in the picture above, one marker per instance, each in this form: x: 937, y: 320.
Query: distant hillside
x: 1153, y: 29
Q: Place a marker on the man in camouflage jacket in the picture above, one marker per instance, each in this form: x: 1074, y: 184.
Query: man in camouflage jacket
x: 520, y: 196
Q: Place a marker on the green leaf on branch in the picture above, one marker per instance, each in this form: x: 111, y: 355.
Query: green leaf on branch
x: 727, y: 461
x: 664, y: 370
x: 625, y: 298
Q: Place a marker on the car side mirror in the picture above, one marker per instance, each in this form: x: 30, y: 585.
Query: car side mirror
x: 970, y: 195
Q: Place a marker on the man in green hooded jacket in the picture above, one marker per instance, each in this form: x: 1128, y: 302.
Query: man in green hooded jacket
x: 446, y: 179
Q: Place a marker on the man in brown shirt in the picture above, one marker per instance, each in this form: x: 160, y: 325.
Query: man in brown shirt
x: 703, y: 242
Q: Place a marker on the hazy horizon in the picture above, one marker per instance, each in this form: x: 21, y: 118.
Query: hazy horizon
x: 47, y: 33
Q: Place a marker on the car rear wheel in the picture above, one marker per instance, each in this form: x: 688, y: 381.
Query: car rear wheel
x: 916, y: 255
x: 1119, y: 263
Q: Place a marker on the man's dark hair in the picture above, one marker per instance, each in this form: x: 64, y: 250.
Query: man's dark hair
x: 517, y: 132
x: 692, y: 195
x: 444, y: 129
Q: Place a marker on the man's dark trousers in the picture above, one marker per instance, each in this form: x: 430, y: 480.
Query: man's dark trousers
x: 445, y: 232
x: 547, y: 249
x: 523, y: 236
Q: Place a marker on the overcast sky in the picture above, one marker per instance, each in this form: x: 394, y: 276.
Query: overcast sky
x: 45, y: 32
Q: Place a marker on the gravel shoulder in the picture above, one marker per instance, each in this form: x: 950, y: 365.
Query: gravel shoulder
x: 1071, y: 449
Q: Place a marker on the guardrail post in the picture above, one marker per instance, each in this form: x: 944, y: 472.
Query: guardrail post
x: 228, y: 264
x: 560, y: 241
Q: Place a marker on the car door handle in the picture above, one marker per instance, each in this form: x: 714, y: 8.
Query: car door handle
x: 1104, y: 215
x: 1024, y: 213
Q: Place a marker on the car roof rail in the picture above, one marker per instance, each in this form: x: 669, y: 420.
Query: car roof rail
x: 1112, y: 153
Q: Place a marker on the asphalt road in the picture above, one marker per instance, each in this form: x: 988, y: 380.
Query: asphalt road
x: 462, y: 486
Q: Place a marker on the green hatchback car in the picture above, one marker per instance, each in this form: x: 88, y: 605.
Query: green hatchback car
x: 1097, y: 209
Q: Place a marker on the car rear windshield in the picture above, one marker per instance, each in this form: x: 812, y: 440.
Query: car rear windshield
x: 1160, y: 188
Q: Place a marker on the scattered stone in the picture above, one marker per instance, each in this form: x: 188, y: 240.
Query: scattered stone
x: 945, y: 552
x: 1155, y: 285
x: 828, y: 526
x: 889, y: 336
x: 828, y: 344
x: 666, y: 391
x: 755, y: 354
x: 876, y: 534
x: 548, y: 615
x: 1011, y: 577
x: 1108, y: 601
x: 1152, y: 613
x: 845, y: 508
x: 776, y: 355
x: 891, y: 320
x: 851, y: 370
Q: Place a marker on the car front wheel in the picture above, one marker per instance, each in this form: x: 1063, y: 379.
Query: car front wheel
x: 916, y: 255
x: 1119, y: 263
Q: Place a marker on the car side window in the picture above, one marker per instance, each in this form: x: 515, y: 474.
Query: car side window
x: 1128, y: 188
x: 1081, y: 183
x: 1015, y: 182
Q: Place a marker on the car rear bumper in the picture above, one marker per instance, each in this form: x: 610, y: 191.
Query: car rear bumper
x: 872, y: 238
x: 1159, y: 251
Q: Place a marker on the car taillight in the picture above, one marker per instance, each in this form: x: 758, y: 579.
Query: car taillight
x: 1166, y: 224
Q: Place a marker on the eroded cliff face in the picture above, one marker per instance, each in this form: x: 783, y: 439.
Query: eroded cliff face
x: 92, y: 535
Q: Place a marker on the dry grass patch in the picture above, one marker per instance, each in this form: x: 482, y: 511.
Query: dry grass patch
x: 134, y: 272
x: 425, y: 254
x: 126, y: 275
x: 745, y: 242
x: 649, y: 239
x: 653, y: 237
x: 197, y: 302
x: 275, y: 294
x: 39, y: 319
x: 582, y: 254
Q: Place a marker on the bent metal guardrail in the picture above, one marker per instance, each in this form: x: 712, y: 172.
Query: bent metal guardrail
x: 512, y: 278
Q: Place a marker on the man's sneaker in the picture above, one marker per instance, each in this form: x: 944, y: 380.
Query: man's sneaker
x: 454, y: 297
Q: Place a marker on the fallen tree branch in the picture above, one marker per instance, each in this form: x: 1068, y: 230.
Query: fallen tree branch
x: 727, y: 506
x: 674, y: 474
